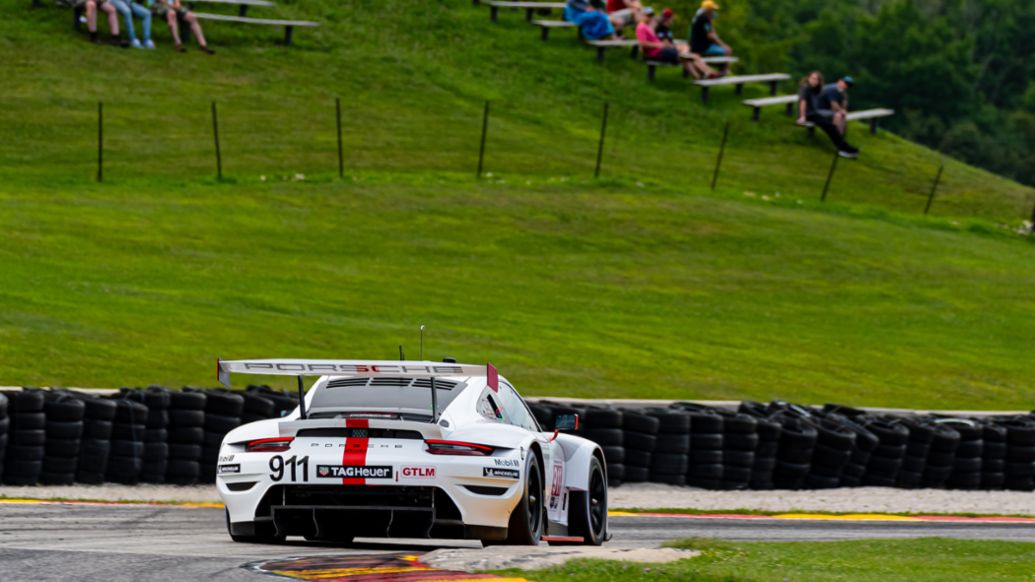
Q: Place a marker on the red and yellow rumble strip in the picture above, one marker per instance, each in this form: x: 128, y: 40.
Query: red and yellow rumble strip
x: 835, y: 517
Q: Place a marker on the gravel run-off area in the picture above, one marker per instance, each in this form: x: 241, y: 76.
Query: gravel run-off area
x: 648, y: 496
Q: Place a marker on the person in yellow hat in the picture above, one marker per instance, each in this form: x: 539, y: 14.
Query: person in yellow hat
x: 703, y: 38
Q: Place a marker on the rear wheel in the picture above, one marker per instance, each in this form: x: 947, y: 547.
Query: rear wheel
x: 587, y: 513
x: 527, y: 520
x: 262, y: 533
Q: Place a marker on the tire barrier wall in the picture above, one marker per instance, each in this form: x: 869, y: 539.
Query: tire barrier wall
x: 780, y: 445
x: 157, y: 435
x: 150, y: 435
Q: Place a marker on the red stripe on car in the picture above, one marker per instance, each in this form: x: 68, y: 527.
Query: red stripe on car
x: 355, y: 454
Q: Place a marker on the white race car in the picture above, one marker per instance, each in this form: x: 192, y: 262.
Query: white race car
x: 410, y: 449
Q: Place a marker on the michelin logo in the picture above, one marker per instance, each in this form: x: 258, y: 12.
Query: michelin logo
x: 504, y: 473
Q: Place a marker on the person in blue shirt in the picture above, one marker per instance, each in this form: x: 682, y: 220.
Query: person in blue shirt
x: 592, y: 20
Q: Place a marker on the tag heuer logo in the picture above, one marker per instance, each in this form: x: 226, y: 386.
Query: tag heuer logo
x: 351, y: 472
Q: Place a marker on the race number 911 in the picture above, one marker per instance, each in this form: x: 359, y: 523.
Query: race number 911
x: 280, y: 466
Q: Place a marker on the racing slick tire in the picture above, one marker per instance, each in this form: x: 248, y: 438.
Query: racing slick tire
x: 587, y: 513
x: 262, y: 533
x: 528, y: 520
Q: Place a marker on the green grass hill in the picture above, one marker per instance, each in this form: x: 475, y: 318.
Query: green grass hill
x: 642, y: 283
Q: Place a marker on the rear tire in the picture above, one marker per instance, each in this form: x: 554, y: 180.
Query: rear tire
x: 527, y: 522
x: 587, y: 513
x: 265, y: 533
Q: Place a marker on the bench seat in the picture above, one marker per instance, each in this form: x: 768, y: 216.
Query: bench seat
x: 289, y: 25
x: 871, y: 115
x: 738, y: 81
x: 530, y: 7
x: 758, y: 104
x: 545, y: 26
x: 603, y: 45
x: 242, y: 5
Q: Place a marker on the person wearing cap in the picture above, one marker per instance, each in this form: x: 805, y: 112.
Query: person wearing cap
x: 834, y: 98
x: 663, y: 28
x: 589, y: 16
x: 703, y: 38
x: 623, y: 12
x: 809, y: 112
x: 656, y: 49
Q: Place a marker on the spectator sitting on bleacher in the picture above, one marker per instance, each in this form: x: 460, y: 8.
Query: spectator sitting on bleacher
x: 663, y: 27
x: 128, y: 9
x: 90, y: 7
x: 809, y: 111
x: 703, y: 38
x: 834, y: 98
x: 592, y: 21
x: 655, y: 49
x: 170, y: 10
x: 623, y: 12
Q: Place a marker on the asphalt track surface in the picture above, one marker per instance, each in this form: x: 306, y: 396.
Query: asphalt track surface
x: 148, y: 542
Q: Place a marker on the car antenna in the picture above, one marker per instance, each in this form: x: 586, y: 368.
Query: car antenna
x: 422, y: 342
x: 402, y: 357
x: 301, y: 398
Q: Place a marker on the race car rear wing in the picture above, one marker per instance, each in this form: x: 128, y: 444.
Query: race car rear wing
x: 357, y: 368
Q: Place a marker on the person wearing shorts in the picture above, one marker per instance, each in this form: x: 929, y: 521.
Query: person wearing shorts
x: 623, y: 12
x: 656, y: 49
x: 90, y: 8
x: 703, y: 38
x: 172, y: 11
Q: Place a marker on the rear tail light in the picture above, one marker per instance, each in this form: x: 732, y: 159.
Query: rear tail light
x: 271, y: 445
x: 440, y: 447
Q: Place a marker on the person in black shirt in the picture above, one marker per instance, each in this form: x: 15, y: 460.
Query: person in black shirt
x: 834, y: 98
x: 810, y: 99
x: 703, y: 38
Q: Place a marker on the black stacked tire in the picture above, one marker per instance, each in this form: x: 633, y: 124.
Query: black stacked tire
x: 284, y: 401
x: 95, y: 450
x: 966, y: 466
x: 886, y: 459
x: 794, y: 453
x: 768, y: 443
x: 918, y: 449
x: 705, y: 460
x: 944, y: 442
x: 993, y: 456
x: 223, y: 410
x: 23, y: 462
x: 865, y: 443
x: 835, y: 441
x: 604, y: 427
x: 186, y: 433
x: 669, y: 461
x: 739, y: 441
x: 1020, y: 452
x: 156, y: 438
x: 640, y: 434
x: 127, y: 441
x: 256, y: 407
x: 64, y: 433
x: 5, y: 425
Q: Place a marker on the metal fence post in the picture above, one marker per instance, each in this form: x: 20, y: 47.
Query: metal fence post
x: 341, y: 159
x: 830, y: 178
x: 934, y: 187
x: 485, y: 130
x: 215, y: 137
x: 600, y: 146
x: 100, y: 141
x: 722, y: 150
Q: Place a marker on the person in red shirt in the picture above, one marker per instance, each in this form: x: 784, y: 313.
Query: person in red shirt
x: 657, y: 49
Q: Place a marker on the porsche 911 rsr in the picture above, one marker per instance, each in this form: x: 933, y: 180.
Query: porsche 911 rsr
x: 408, y: 449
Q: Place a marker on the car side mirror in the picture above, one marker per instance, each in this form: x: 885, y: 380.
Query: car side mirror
x: 566, y: 422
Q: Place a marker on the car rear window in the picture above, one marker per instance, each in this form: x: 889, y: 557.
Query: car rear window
x: 401, y: 395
